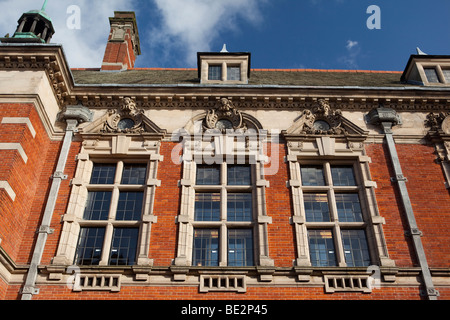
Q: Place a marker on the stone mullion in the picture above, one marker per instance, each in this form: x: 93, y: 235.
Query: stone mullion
x: 185, y: 217
x: 298, y: 218
x: 148, y: 217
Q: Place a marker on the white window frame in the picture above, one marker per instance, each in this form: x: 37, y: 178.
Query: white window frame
x: 330, y: 190
x: 325, y: 150
x: 109, y: 150
x: 186, y: 217
x: 439, y: 67
x: 234, y: 61
x: 224, y: 225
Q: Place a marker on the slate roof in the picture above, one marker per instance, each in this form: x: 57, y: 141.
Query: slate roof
x: 258, y: 77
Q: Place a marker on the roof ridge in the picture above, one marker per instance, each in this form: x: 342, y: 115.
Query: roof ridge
x: 256, y: 70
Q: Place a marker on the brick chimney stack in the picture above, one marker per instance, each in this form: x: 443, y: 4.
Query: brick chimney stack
x: 123, y: 43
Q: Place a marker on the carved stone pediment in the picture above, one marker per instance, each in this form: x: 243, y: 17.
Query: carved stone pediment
x: 438, y: 121
x: 126, y: 119
x: 322, y: 120
x: 224, y: 117
x: 439, y: 134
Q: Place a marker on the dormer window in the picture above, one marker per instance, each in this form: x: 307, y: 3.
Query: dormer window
x: 446, y: 73
x: 223, y: 67
x: 431, y: 74
x: 427, y: 70
x: 234, y: 73
x: 215, y: 72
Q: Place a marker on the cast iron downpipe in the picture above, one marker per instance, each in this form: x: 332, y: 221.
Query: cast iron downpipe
x: 387, y: 118
x: 72, y: 115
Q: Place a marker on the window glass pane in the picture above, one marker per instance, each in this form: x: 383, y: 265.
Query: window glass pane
x: 124, y: 245
x: 343, y: 176
x: 446, y: 73
x: 207, y: 207
x: 348, y: 207
x: 240, y: 247
x: 103, y: 173
x: 134, y: 174
x: 208, y: 175
x: 215, y: 72
x: 129, y: 206
x: 355, y: 248
x: 97, y: 205
x: 316, y: 207
x: 239, y: 175
x: 239, y: 207
x: 312, y: 176
x: 321, y: 248
x: 89, y: 247
x: 206, y: 247
x: 234, y: 73
x: 431, y: 74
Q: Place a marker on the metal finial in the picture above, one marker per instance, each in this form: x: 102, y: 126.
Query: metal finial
x: 44, y: 6
x: 420, y: 52
x: 224, y: 49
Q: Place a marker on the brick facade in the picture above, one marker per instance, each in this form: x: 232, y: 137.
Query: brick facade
x: 24, y: 179
x: 33, y: 130
x: 429, y: 199
x: 281, y: 232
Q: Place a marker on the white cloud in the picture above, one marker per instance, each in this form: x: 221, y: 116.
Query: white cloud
x: 319, y: 2
x: 351, y: 44
x: 187, y: 26
x: 83, y: 47
x: 350, y: 60
x: 191, y: 26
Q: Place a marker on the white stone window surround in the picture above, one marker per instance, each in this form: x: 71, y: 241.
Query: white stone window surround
x: 438, y: 66
x: 225, y: 62
x: 73, y: 219
x: 314, y: 153
x: 186, y: 217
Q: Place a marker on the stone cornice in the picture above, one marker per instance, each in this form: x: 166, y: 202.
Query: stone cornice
x: 32, y: 57
x: 267, y: 102
x: 51, y: 58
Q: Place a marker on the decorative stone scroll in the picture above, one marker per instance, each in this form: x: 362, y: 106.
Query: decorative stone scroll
x: 127, y: 119
x: 320, y: 119
x: 224, y: 117
x: 439, y: 134
x: 440, y: 121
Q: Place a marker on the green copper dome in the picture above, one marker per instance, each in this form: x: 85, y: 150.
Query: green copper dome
x: 34, y: 26
x: 41, y: 12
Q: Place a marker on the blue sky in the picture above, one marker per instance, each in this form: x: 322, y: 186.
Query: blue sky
x: 317, y: 34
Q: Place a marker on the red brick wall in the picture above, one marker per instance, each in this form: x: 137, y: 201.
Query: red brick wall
x: 167, y: 205
x: 429, y: 197
x: 279, y: 207
x: 163, y: 242
x: 24, y: 178
x: 430, y: 200
x: 119, y: 52
x: 3, y: 289
x: 191, y: 293
x: 63, y: 197
x: 424, y: 175
x: 389, y: 205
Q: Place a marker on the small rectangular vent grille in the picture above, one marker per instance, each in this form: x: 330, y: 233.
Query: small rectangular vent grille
x: 231, y: 283
x: 347, y: 283
x: 84, y: 282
